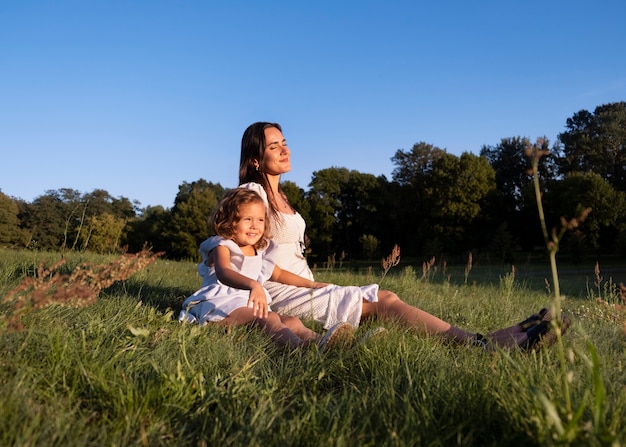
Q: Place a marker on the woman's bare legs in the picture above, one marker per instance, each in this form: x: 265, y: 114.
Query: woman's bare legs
x: 389, y: 305
x: 272, y: 325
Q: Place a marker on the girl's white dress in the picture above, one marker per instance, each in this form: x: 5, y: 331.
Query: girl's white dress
x: 215, y: 301
x: 329, y: 305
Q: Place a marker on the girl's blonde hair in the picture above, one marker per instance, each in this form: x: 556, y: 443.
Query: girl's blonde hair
x: 226, y: 216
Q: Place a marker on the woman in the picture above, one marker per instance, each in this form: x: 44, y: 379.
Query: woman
x: 264, y: 157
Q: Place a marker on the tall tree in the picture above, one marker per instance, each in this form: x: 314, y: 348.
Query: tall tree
x: 410, y: 180
x: 414, y: 166
x: 512, y: 168
x: 59, y: 218
x: 596, y: 142
x: 568, y: 197
x: 188, y: 226
x: 103, y: 233
x: 343, y: 208
x: 456, y: 191
x: 52, y: 218
x: 358, y: 207
x: 148, y: 230
x: 10, y: 232
x: 324, y: 196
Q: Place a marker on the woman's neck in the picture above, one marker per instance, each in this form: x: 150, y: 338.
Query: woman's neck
x: 273, y: 181
x: 279, y: 202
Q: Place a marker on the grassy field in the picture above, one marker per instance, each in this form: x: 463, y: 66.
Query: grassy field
x: 122, y: 371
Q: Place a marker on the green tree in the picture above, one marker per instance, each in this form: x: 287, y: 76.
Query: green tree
x: 50, y: 218
x: 324, y: 197
x: 343, y: 207
x: 399, y: 217
x: 596, y: 142
x: 512, y: 168
x: 59, y: 218
x: 413, y: 167
x: 370, y: 245
x: 358, y: 208
x: 568, y: 197
x: 456, y: 192
x: 408, y: 215
x: 505, y: 227
x: 443, y: 196
x: 103, y: 233
x: 188, y: 226
x: 149, y: 230
x: 101, y: 202
x: 10, y: 232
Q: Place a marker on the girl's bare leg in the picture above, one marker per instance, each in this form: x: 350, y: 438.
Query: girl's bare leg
x: 298, y: 328
x: 389, y: 305
x: 272, y: 325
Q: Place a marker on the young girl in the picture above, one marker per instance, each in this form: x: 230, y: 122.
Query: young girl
x: 235, y: 265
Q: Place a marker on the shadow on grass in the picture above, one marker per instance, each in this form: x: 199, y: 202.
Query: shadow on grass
x: 163, y: 298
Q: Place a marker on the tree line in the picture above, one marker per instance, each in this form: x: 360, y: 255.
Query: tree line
x: 435, y: 204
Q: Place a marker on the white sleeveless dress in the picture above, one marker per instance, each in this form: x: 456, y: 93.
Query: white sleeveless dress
x: 329, y: 305
x: 215, y: 300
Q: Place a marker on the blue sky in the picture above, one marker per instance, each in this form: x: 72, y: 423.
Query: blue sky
x: 137, y: 97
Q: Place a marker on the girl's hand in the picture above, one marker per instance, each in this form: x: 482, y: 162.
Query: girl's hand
x: 319, y: 285
x: 258, y: 301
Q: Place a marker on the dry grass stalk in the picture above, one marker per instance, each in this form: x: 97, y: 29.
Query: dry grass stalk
x: 79, y: 288
x: 391, y: 261
x: 330, y: 263
x: 341, y: 259
x: 468, y: 266
x: 426, y: 266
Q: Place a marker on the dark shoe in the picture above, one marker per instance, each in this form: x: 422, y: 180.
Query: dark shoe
x: 533, y: 320
x: 544, y: 333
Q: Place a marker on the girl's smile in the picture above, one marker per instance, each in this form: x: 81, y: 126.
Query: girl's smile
x: 250, y: 227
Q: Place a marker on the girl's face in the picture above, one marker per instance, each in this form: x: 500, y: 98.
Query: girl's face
x: 276, y: 158
x: 251, y: 226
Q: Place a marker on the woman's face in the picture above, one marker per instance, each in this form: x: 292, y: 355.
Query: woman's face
x: 276, y: 159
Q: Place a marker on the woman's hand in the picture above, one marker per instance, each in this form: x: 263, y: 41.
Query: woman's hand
x: 258, y: 301
x: 319, y: 285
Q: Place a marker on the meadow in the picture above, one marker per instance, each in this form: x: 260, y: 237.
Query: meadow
x: 121, y: 370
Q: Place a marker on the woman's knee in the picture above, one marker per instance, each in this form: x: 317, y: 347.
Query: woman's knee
x: 386, y: 297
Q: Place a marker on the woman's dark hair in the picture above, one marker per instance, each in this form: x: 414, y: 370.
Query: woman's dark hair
x: 250, y: 162
x: 226, y: 216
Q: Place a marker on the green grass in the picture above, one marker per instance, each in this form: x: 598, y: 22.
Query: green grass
x: 123, y: 371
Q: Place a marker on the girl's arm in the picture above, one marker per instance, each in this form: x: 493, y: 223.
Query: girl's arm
x: 285, y: 277
x: 232, y: 278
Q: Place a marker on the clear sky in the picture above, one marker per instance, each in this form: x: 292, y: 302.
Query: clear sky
x: 137, y: 97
